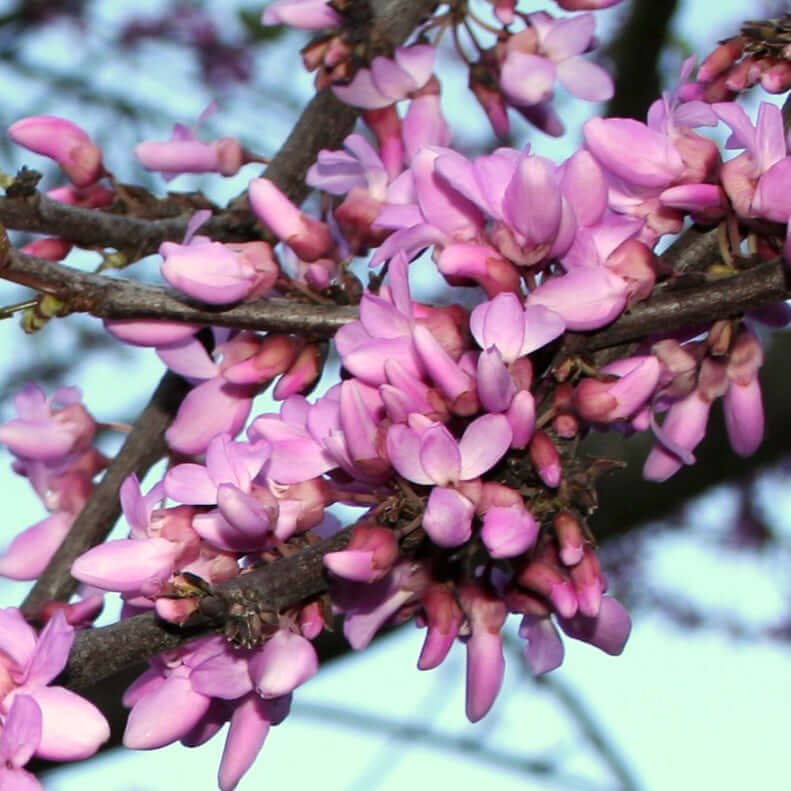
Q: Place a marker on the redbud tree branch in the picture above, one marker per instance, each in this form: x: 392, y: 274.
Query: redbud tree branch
x: 324, y: 124
x: 669, y: 308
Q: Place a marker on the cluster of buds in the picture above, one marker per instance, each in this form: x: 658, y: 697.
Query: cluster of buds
x: 760, y: 54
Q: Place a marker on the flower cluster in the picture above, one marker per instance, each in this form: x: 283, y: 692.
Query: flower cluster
x: 453, y: 427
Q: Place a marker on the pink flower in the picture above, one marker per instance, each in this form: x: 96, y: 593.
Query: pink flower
x: 388, y: 81
x: 61, y: 140
x: 240, y: 521
x: 71, y: 727
x: 310, y: 239
x: 682, y: 431
x: 285, y: 661
x: 513, y: 329
x: 48, y: 430
x: 508, y: 531
x: 619, y: 399
x: 486, y: 615
x: 548, y: 50
x: 186, y: 153
x: 586, y: 297
x: 426, y: 453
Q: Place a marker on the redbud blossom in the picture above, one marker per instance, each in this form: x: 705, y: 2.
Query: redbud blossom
x: 78, y: 156
x: 209, y: 271
x: 508, y: 531
x: 388, y: 81
x: 308, y: 238
x: 443, y: 618
x: 46, y: 433
x: 71, y: 727
x: 486, y: 615
x: 371, y: 553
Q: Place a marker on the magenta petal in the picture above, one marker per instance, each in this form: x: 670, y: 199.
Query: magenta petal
x: 126, y: 565
x: 360, y: 627
x: 51, y: 652
x: 362, y: 91
x: 585, y: 187
x: 771, y: 199
x: 633, y: 152
x: 352, y: 564
x: 585, y: 79
x: 285, y: 661
x: 522, y: 418
x: 367, y: 361
x: 382, y: 319
x: 527, y: 79
x: 744, y: 416
x: 165, y: 714
x: 483, y: 444
x: 608, y: 631
x: 150, y: 332
x: 542, y: 326
x: 442, y: 368
x: 209, y: 409
x: 37, y: 439
x: 31, y: 551
x: 222, y: 465
x: 448, y: 517
x: 17, y: 638
x: 439, y: 455
x: 72, y: 728
x: 212, y: 273
x: 403, y: 450
x: 508, y: 531
x: 189, y: 358
x: 496, y: 387
x: 533, y: 202
x: 305, y: 14
x: 586, y: 297
x: 501, y: 323
x: 569, y: 36
x: 247, y: 733
x: 217, y: 530
x: 298, y: 460
x: 417, y: 61
x: 459, y: 172
x: 544, y: 649
x: 679, y: 435
x: 485, y: 671
x: 390, y: 80
x: 190, y: 484
x: 243, y: 512
x: 21, y: 733
x: 222, y: 676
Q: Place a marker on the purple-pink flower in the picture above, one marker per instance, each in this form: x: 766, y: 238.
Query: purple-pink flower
x: 71, y: 727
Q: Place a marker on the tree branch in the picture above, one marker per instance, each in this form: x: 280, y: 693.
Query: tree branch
x: 641, y: 40
x: 669, y: 308
x: 101, y: 652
